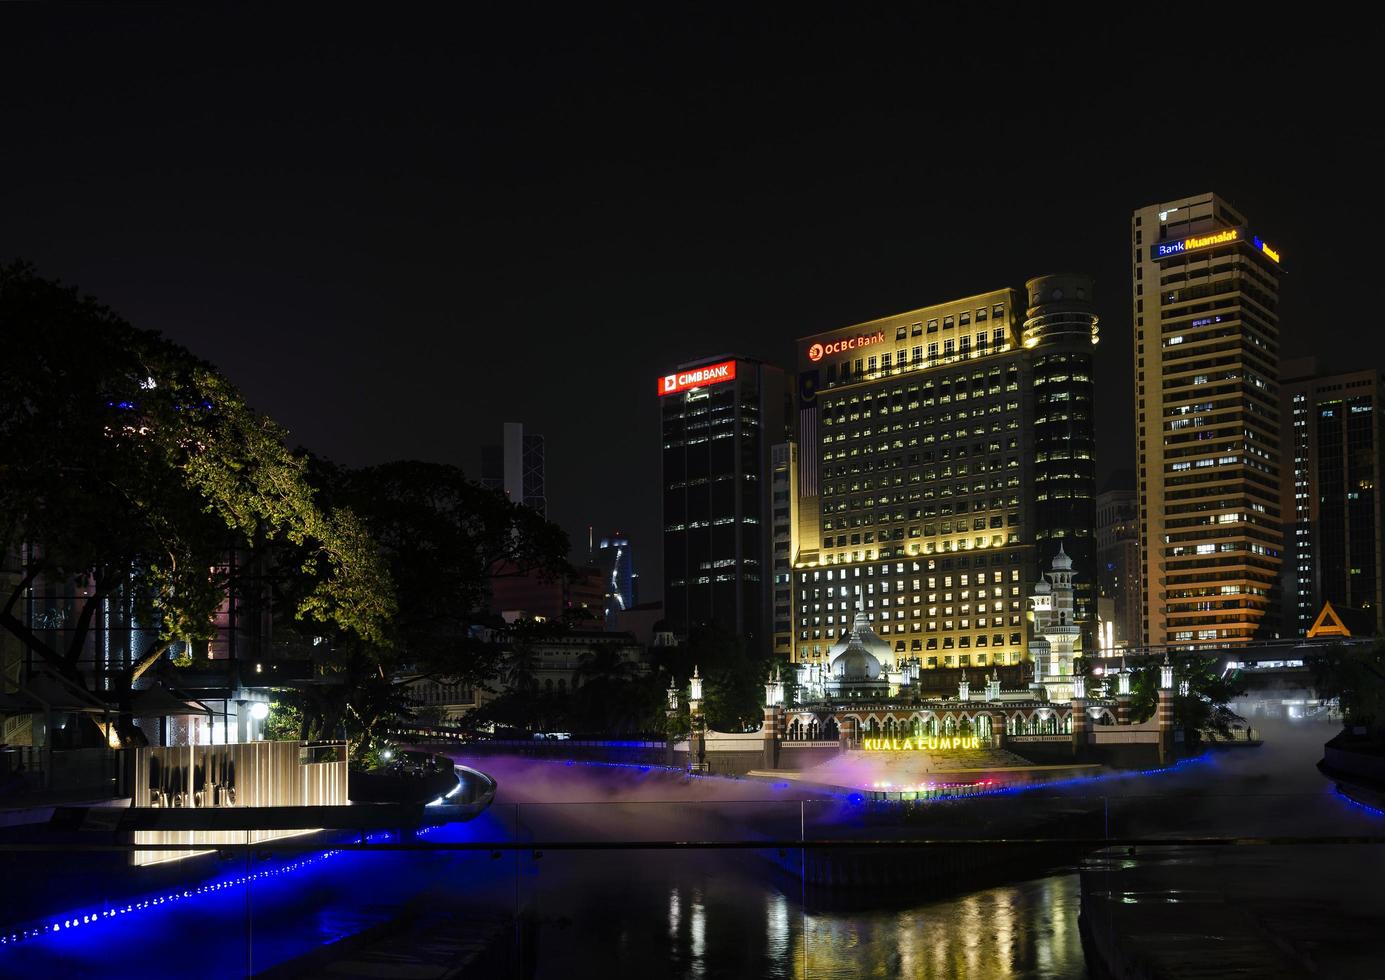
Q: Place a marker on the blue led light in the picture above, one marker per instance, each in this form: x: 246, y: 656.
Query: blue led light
x: 1373, y: 811
x: 154, y: 901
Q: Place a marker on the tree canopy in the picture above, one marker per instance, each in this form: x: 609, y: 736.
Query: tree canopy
x: 127, y: 463
x: 1206, y: 706
x: 1355, y: 676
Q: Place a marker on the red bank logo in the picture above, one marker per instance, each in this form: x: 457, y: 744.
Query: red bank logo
x: 711, y: 374
x: 818, y: 351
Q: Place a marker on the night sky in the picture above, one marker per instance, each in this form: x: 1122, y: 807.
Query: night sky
x: 396, y: 231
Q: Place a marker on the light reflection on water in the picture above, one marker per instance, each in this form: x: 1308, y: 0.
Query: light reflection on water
x: 721, y: 916
x: 1020, y: 930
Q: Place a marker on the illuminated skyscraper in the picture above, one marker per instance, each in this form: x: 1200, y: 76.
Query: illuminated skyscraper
x: 720, y: 419
x: 1206, y: 318
x: 617, y: 564
x: 1332, y: 503
x: 946, y: 457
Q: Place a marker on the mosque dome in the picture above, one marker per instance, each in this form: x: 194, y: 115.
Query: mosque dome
x: 856, y: 663
x: 1041, y: 587
x: 856, y: 660
x: 1061, y: 561
x: 864, y: 637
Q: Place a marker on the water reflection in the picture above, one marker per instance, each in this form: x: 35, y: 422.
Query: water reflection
x: 736, y: 916
x: 1020, y: 930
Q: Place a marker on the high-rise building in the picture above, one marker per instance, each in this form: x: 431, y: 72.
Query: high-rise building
x: 784, y: 534
x: 1118, y: 557
x: 617, y: 564
x: 945, y: 456
x: 514, y: 467
x: 1206, y: 319
x: 1332, y: 505
x: 720, y: 419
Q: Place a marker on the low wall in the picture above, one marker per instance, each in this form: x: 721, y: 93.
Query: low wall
x: 800, y: 757
x: 632, y: 753
x: 1118, y: 752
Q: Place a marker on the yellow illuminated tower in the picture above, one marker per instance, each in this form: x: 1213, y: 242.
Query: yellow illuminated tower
x: 1206, y: 317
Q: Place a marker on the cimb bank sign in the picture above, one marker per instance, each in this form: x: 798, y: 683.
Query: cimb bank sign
x: 709, y: 374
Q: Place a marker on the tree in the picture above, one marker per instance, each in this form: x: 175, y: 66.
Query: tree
x: 444, y: 540
x: 1355, y: 676
x: 613, y: 696
x: 1205, y: 706
x: 128, y: 466
x: 734, y: 677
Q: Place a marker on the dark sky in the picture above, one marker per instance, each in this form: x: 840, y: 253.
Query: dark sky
x: 397, y: 230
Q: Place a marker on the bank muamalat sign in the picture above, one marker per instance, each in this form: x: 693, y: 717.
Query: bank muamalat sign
x: 922, y: 743
x: 708, y: 374
x: 818, y: 351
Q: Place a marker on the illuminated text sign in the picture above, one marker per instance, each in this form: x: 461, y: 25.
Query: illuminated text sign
x: 924, y: 743
x: 711, y: 374
x: 1162, y: 250
x: 818, y: 351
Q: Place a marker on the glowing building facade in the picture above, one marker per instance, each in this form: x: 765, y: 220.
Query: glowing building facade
x: 1206, y: 318
x: 1332, y: 504
x: 720, y: 418
x: 945, y: 453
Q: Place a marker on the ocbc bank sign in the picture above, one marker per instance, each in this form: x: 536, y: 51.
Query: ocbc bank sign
x: 818, y: 351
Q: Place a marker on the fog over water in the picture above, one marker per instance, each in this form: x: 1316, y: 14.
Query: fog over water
x: 737, y: 913
x: 734, y: 913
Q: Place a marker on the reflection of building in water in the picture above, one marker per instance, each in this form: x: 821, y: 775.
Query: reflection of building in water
x: 1013, y: 930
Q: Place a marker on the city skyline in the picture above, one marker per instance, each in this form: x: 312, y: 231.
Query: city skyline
x: 654, y: 248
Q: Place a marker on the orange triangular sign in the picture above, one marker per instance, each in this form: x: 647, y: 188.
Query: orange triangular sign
x: 1328, y: 623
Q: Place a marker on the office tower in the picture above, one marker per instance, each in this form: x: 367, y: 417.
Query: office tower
x: 514, y: 467
x: 1060, y: 328
x: 1118, y: 557
x: 945, y: 457
x: 784, y: 527
x: 720, y: 418
x: 1332, y: 503
x: 1206, y: 319
x: 617, y: 564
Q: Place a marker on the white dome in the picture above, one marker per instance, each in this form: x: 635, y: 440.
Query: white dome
x: 856, y: 664
x: 1061, y: 561
x: 856, y: 661
x: 1041, y: 587
x: 863, y: 636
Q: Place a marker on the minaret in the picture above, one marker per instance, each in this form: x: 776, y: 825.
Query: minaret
x: 1055, y: 629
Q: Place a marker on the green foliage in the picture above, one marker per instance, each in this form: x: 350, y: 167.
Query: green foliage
x: 1355, y: 676
x: 130, y: 466
x: 128, y: 461
x: 284, y: 722
x: 733, y: 677
x: 442, y: 539
x: 133, y: 469
x: 1205, y: 706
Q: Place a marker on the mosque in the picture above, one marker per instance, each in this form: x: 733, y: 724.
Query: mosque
x: 877, y: 694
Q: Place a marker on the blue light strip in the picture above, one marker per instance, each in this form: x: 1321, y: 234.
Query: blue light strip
x: 1373, y: 811
x: 65, y: 924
